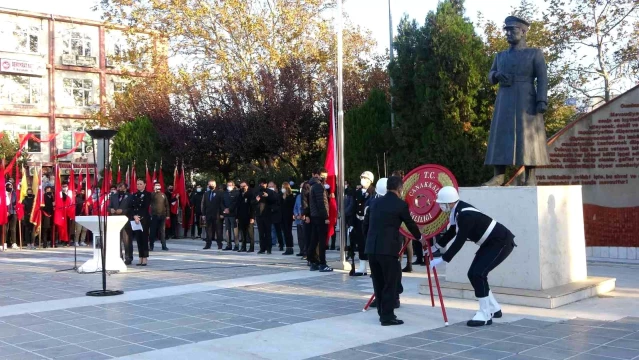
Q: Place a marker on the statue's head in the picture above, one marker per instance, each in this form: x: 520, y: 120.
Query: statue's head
x: 516, y: 29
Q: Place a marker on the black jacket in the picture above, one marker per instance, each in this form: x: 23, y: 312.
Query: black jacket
x: 48, y: 204
x: 383, y: 219
x: 196, y: 202
x: 318, y: 201
x: 276, y: 208
x: 288, y: 205
x: 229, y: 201
x: 28, y: 206
x: 79, y: 204
x: 139, y: 204
x: 264, y: 206
x: 246, y: 207
x: 470, y: 226
x: 211, y: 205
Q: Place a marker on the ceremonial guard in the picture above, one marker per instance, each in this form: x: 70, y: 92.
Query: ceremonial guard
x: 362, y: 196
x: 495, y: 243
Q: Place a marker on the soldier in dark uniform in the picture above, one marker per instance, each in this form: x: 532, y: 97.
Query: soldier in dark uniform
x: 139, y: 212
x: 517, y: 131
x: 495, y: 243
x: 27, y: 226
x: 362, y: 196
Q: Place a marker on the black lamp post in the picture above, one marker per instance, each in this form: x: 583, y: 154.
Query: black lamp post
x: 105, y: 136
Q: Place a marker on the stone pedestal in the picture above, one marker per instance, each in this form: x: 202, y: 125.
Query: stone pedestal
x: 547, y: 222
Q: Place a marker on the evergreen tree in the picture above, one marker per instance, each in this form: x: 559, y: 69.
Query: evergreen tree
x: 367, y: 136
x: 442, y: 94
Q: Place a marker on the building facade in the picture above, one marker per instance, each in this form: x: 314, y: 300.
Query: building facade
x: 57, y: 73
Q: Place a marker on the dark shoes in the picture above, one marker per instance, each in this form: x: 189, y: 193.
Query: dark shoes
x: 407, y: 269
x: 418, y: 262
x: 314, y: 267
x: 325, y: 268
x: 228, y: 248
x: 392, y: 322
x: 288, y: 251
x: 497, y: 315
x: 164, y: 248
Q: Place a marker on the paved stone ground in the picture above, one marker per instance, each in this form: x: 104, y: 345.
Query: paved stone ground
x: 194, y: 304
x: 579, y: 339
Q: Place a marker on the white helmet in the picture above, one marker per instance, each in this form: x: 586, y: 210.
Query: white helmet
x: 447, y: 195
x: 368, y: 175
x: 380, y: 188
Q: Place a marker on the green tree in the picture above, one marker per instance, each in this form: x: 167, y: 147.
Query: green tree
x: 441, y: 94
x: 137, y: 141
x: 366, y: 135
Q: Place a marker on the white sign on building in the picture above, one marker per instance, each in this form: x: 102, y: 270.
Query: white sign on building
x: 21, y: 67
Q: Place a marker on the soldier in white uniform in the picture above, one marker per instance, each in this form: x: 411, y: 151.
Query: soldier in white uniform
x: 495, y: 243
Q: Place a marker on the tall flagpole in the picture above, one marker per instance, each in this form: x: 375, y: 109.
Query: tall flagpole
x: 340, y: 144
x: 391, y: 56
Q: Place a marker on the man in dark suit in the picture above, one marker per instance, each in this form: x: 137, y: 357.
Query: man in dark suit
x: 119, y: 204
x: 264, y: 200
x: 383, y: 243
x: 211, y: 202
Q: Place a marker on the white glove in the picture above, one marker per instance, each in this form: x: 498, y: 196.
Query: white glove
x: 435, y: 262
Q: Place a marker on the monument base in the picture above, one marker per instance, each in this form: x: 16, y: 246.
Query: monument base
x: 548, y: 299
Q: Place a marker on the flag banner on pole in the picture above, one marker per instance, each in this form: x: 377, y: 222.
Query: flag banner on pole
x: 134, y: 180
x: 36, y: 213
x: 331, y: 167
x: 147, y: 177
x: 4, y: 210
x: 60, y: 217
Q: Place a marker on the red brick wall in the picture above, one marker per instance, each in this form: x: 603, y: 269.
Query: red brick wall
x: 606, y: 226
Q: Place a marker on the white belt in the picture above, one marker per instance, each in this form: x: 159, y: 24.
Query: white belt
x: 488, y: 230
x: 361, y: 218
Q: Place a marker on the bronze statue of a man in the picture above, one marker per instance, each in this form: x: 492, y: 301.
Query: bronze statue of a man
x: 517, y: 132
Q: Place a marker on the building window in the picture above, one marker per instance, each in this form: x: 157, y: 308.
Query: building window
x: 20, y: 90
x: 17, y: 38
x: 119, y: 87
x: 76, y: 43
x: 26, y: 39
x: 36, y: 130
x: 78, y: 92
x: 68, y: 139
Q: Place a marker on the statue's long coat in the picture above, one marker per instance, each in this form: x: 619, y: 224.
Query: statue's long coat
x: 517, y: 132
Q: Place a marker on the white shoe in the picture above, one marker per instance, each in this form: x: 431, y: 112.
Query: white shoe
x: 495, y: 309
x: 14, y: 246
x: 82, y: 243
x: 362, y: 267
x: 482, y: 317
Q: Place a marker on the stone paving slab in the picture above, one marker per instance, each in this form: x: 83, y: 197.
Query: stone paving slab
x: 133, y: 327
x: 524, y: 339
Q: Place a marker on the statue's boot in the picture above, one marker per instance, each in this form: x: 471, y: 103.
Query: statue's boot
x: 530, y: 177
x: 497, y: 180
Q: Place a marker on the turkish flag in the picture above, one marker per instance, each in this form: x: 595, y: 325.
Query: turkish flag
x: 4, y: 211
x: 331, y: 166
x: 149, y: 181
x: 60, y: 214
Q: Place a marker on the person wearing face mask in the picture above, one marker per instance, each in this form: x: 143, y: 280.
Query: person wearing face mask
x: 383, y: 244
x: 119, y: 204
x: 196, y: 200
x: 318, y: 203
x: 265, y: 198
x: 10, y: 229
x: 245, y: 217
x: 139, y: 213
x: 27, y: 226
x: 276, y: 218
x: 63, y: 204
x: 210, y: 215
x: 495, y: 243
x: 228, y: 209
x: 362, y: 196
x: 173, y: 197
x: 160, y: 212
x: 288, y: 203
x: 47, y: 217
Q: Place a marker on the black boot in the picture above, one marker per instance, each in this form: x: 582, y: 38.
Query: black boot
x: 207, y: 246
x: 289, y: 251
